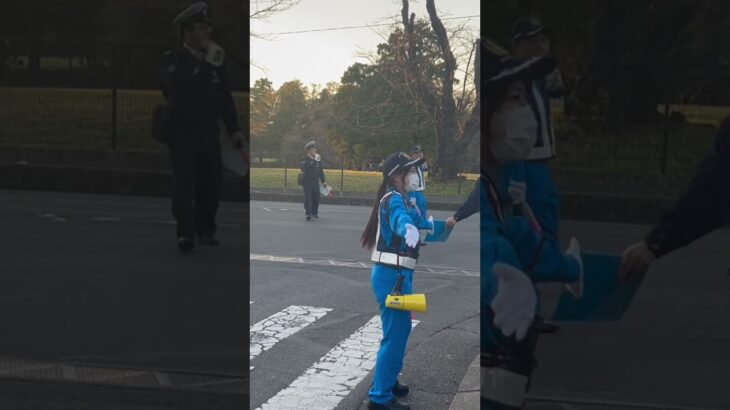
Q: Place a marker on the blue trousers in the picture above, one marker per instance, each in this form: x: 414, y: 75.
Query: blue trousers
x: 396, y: 329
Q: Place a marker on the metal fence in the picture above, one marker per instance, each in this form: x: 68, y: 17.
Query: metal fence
x: 275, y: 171
x: 102, y: 103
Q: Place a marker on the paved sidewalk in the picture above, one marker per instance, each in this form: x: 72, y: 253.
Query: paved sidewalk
x: 467, y: 398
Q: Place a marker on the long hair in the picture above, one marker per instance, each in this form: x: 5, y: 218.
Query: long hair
x: 367, y: 240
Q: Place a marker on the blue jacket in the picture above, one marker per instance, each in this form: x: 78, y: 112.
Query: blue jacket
x: 395, y: 213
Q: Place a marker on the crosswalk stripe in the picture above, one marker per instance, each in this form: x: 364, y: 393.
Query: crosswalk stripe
x: 277, y: 327
x: 335, y: 375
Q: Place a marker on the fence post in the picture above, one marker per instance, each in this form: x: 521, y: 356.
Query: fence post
x: 114, y: 99
x: 459, y: 177
x: 665, y: 144
x: 342, y: 176
x: 285, y: 171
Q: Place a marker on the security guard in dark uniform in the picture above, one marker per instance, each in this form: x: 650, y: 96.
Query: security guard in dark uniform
x: 194, y: 81
x: 312, y: 173
x: 703, y: 207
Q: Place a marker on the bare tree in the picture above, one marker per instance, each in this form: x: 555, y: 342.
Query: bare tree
x: 263, y: 9
x: 453, y: 134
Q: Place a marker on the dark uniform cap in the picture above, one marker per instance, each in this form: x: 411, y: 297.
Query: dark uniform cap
x: 195, y: 13
x: 416, y: 149
x: 398, y: 161
x: 526, y: 27
x: 309, y: 145
x: 501, y: 68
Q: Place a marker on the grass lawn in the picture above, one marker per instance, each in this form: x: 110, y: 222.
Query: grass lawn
x: 71, y: 118
x: 56, y: 117
x: 352, y: 181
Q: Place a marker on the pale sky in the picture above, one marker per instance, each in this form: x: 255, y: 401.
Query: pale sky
x: 322, y: 57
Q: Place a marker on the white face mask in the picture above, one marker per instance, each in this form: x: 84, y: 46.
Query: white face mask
x: 520, y: 135
x: 411, y: 182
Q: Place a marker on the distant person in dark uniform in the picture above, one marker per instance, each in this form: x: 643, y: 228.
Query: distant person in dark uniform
x: 312, y: 174
x: 194, y: 81
x: 703, y: 207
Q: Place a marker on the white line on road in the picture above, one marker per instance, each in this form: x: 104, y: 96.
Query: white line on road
x: 105, y: 219
x: 277, y: 327
x: 266, y: 209
x: 69, y: 373
x: 53, y: 217
x: 440, y: 270
x: 335, y: 375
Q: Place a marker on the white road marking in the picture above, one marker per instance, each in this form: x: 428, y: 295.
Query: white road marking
x: 335, y: 375
x: 105, y: 219
x: 277, y: 327
x: 266, y: 209
x: 69, y: 373
x: 283, y: 209
x: 440, y: 270
x: 53, y: 217
x: 163, y: 379
x: 162, y: 222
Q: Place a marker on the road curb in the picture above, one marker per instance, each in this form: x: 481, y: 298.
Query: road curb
x: 158, y: 183
x: 467, y: 397
x: 105, y: 181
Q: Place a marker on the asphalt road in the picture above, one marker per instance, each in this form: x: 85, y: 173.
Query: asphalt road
x: 670, y: 351
x: 671, y: 348
x: 97, y: 281
x: 442, y: 344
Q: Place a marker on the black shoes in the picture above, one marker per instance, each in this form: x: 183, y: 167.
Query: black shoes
x: 208, y: 240
x: 393, y: 405
x: 185, y: 243
x: 400, y: 390
x: 543, y: 326
x: 307, y: 217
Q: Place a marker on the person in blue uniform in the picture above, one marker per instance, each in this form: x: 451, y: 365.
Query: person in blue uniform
x: 418, y: 195
x: 194, y: 81
x: 392, y: 232
x: 513, y: 253
x: 530, y: 40
x: 703, y: 207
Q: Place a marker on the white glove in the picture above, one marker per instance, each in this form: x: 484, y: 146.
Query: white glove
x: 517, y: 191
x: 412, y: 236
x: 317, y: 157
x: 433, y: 225
x: 215, y: 55
x: 515, y: 302
x: 575, y: 288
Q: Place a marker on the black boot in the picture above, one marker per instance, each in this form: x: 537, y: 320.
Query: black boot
x: 209, y: 240
x: 543, y: 326
x: 393, y: 405
x: 400, y: 390
x: 185, y: 243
